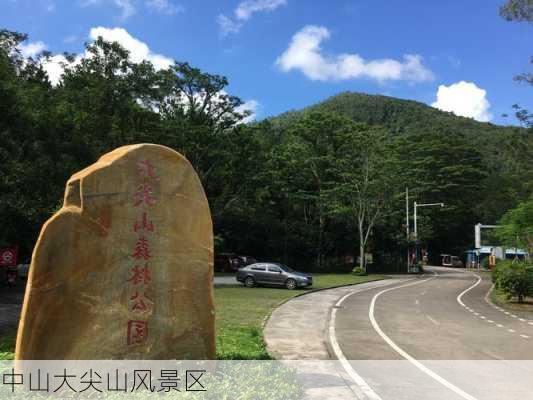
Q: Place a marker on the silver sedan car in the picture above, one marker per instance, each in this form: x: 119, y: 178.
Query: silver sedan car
x: 273, y: 274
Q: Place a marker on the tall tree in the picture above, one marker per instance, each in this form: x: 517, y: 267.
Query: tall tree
x: 520, y: 11
x: 304, y: 163
x: 442, y: 166
x: 362, y: 185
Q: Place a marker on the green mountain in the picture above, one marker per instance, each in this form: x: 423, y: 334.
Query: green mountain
x: 398, y: 115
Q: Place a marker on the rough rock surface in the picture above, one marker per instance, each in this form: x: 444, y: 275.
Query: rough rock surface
x: 124, y: 269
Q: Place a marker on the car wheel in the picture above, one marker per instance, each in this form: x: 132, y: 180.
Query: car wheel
x: 290, y: 284
x: 249, y: 282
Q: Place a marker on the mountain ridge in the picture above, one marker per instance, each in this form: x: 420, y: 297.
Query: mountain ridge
x: 397, y: 114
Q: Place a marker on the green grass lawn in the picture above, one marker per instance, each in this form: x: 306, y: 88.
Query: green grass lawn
x: 240, y: 313
x: 499, y: 298
x: 7, y: 346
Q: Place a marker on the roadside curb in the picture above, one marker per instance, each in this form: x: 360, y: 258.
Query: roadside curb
x: 280, y: 329
x: 267, y: 317
x: 503, y: 307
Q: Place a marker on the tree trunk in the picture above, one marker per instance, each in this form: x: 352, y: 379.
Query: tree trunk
x: 361, y: 248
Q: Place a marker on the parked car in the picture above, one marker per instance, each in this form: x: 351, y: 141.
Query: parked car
x: 273, y: 274
x: 451, y: 261
x: 230, y: 262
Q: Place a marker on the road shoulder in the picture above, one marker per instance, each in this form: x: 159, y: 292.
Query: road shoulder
x: 298, y: 329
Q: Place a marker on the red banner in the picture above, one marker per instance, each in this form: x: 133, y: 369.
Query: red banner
x: 8, y: 256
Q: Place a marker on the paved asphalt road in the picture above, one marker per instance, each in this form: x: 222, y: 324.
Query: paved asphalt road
x: 441, y: 326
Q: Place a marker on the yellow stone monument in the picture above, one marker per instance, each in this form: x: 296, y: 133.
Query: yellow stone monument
x: 124, y: 269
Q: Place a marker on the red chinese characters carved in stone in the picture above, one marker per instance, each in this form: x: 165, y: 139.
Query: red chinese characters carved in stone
x: 145, y: 225
x: 137, y: 332
x: 146, y: 170
x: 140, y: 275
x: 141, y: 302
x: 143, y: 195
x: 142, y: 249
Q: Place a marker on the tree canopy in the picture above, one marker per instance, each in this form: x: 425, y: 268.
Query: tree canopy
x: 313, y: 188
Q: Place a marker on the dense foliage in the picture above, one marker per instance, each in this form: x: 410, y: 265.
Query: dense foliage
x: 478, y: 170
x: 516, y: 227
x: 515, y: 279
x: 313, y: 188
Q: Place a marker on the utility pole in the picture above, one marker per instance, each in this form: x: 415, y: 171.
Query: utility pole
x: 416, y: 227
x: 407, y: 224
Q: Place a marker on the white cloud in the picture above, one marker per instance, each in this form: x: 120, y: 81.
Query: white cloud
x: 305, y: 54
x: 227, y: 25
x: 139, y: 51
x: 244, y: 12
x: 54, y: 67
x: 252, y: 106
x: 245, y: 9
x: 464, y: 99
x: 164, y: 6
x: 126, y: 6
x: 32, y: 49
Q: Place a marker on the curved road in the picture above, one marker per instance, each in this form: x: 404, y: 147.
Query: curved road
x: 436, y: 334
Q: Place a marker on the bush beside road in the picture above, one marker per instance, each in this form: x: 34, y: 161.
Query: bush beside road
x: 514, y: 279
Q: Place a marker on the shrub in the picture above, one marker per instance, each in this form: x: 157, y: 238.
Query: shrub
x: 359, y: 271
x: 514, y: 279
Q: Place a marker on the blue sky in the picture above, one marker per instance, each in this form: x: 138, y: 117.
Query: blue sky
x: 286, y: 54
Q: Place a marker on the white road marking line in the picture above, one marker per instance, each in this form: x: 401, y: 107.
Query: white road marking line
x: 358, y: 379
x: 508, y: 313
x: 476, y: 314
x: 482, y: 317
x: 490, y: 303
x: 490, y: 321
x: 435, y: 322
x: 417, y: 302
x: 407, y: 356
x: 525, y: 336
x: 467, y: 290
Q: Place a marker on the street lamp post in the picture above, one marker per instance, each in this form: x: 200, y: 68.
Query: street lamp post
x: 415, y: 221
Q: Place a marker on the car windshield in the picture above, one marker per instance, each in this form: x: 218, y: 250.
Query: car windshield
x: 285, y: 268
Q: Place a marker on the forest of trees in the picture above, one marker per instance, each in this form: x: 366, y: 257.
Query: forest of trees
x: 308, y: 187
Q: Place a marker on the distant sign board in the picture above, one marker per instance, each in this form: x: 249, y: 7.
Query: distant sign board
x: 8, y: 256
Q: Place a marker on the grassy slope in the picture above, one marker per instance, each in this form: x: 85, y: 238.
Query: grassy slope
x: 240, y: 313
x: 499, y: 298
